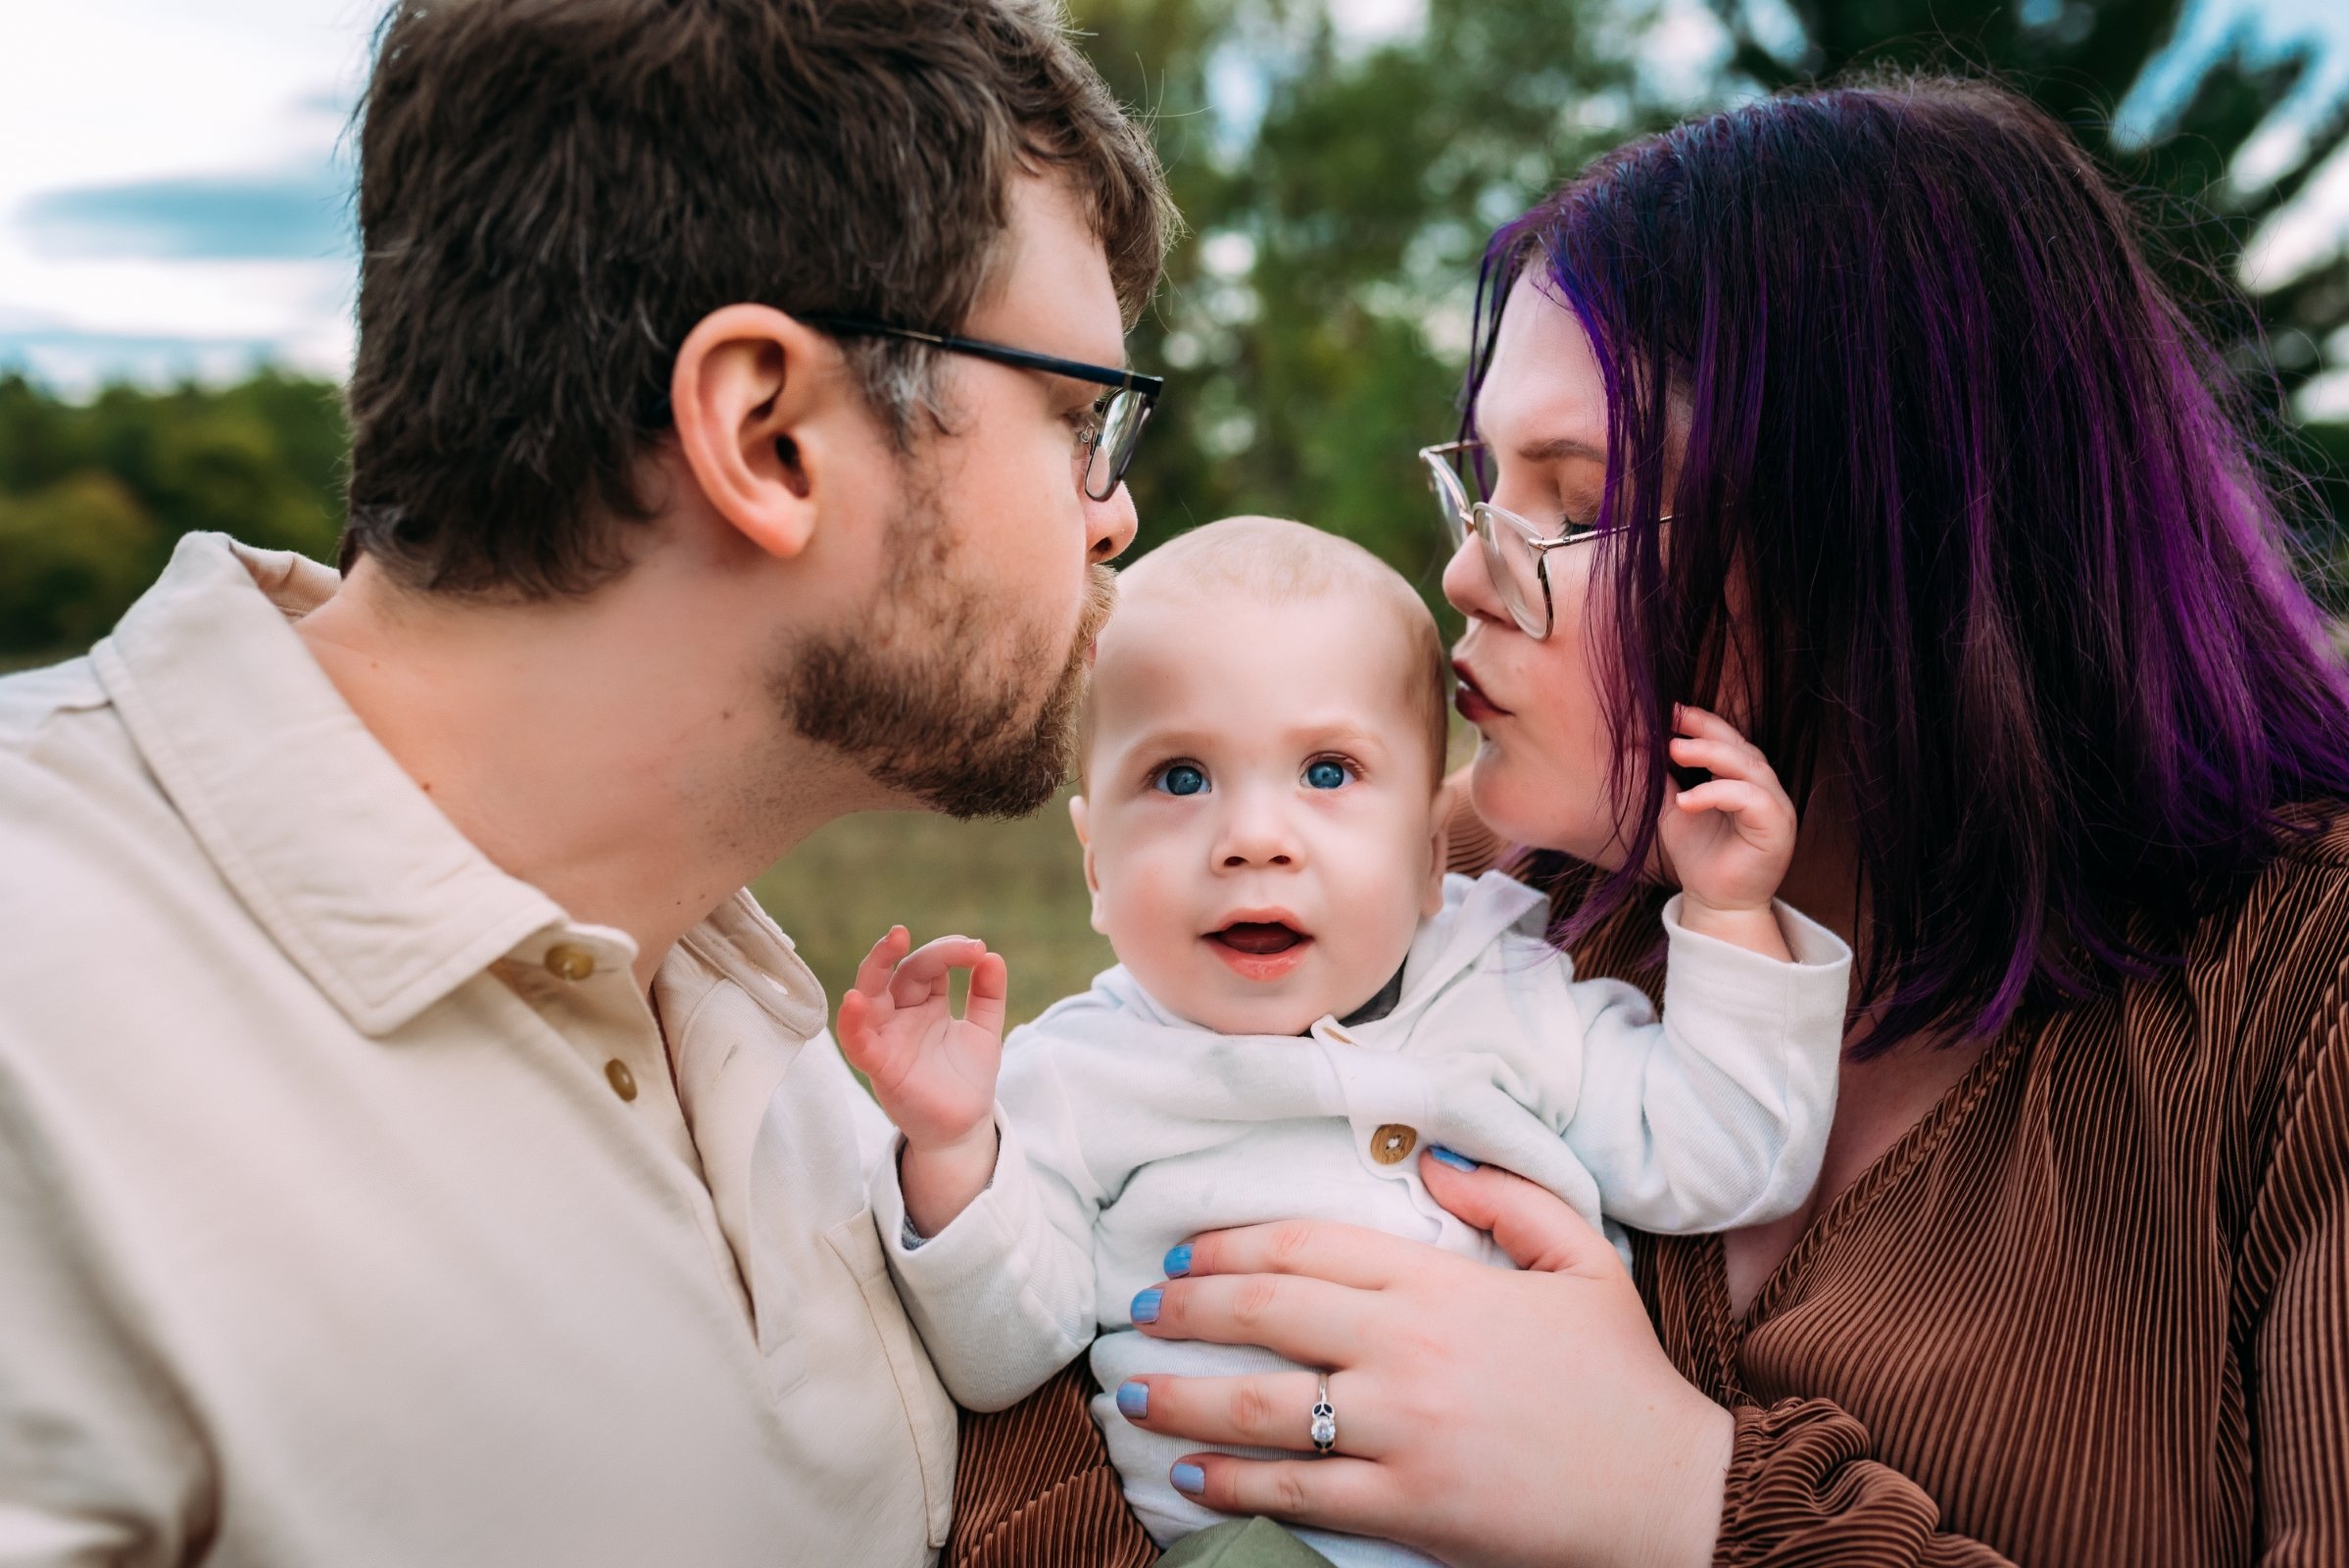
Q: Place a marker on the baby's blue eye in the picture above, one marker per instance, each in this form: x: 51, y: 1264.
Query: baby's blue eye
x: 1182, y: 779
x: 1327, y: 774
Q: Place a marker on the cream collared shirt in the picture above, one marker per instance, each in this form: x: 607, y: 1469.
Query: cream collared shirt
x: 353, y: 1210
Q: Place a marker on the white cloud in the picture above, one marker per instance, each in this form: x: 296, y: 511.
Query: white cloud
x: 105, y: 93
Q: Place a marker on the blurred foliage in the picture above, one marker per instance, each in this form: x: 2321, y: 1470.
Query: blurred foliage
x: 2079, y: 59
x: 1316, y: 316
x: 1019, y: 886
x: 94, y: 496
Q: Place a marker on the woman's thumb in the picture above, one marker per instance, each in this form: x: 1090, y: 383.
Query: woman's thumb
x: 1530, y: 1223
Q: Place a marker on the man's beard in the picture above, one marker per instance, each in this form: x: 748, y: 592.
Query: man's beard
x: 927, y: 702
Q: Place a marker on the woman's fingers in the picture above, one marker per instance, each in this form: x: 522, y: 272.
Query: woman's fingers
x: 1531, y: 1224
x: 1303, y: 1319
x: 1266, y: 1410
x: 1336, y: 1493
x: 1343, y: 1254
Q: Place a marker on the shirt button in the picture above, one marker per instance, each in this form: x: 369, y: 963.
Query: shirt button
x: 623, y: 1082
x: 1392, y: 1143
x: 565, y: 962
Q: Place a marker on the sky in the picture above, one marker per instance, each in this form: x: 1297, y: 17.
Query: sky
x: 175, y: 194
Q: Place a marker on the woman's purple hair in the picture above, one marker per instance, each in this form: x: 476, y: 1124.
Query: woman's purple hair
x: 2017, y: 589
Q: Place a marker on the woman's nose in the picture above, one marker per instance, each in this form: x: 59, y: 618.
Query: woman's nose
x: 1468, y: 583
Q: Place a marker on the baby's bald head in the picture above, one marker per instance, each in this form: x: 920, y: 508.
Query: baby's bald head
x: 1276, y: 562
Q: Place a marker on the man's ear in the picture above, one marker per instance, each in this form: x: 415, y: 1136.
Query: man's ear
x: 1431, y: 898
x: 1081, y: 820
x: 750, y: 399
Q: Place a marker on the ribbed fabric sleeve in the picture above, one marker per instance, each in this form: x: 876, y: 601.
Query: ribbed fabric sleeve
x: 1802, y: 1490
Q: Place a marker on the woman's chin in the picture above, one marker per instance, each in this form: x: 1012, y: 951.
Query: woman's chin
x: 1527, y: 804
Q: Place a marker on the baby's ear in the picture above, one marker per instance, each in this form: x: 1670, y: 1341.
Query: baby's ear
x: 1431, y: 899
x: 1078, y: 819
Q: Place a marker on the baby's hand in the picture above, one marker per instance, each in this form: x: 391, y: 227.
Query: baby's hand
x: 1727, y: 840
x: 932, y: 1072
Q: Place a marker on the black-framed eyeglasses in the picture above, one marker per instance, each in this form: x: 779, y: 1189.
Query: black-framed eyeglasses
x: 1105, y: 447
x: 1520, y: 574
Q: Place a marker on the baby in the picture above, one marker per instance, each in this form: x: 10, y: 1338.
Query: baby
x: 1303, y: 1000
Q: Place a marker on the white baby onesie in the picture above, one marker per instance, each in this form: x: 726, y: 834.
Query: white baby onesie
x: 1126, y: 1130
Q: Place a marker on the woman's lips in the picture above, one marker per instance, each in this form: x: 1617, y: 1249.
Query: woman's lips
x: 1259, y: 950
x: 1473, y: 706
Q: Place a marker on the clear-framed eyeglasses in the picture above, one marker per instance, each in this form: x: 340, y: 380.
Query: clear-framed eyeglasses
x: 1104, y: 448
x: 1516, y: 551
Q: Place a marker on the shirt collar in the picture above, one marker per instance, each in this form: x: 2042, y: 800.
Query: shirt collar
x: 350, y: 868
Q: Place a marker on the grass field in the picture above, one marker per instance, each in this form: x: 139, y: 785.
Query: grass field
x: 1017, y: 886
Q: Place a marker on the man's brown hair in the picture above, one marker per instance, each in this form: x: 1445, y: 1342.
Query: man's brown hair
x: 553, y: 192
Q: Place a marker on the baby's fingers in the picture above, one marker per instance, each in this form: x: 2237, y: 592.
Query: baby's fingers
x: 1731, y: 759
x: 1758, y: 811
x: 922, y: 975
x: 990, y: 987
x: 872, y: 976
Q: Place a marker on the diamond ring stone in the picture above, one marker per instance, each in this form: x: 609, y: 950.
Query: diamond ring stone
x: 1324, y: 1430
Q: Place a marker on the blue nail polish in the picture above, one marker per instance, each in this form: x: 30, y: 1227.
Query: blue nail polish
x: 1189, y: 1480
x: 1456, y: 1161
x: 1146, y: 1306
x: 1134, y: 1400
x: 1178, y: 1261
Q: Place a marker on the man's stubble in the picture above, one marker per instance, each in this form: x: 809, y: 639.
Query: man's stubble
x: 931, y: 699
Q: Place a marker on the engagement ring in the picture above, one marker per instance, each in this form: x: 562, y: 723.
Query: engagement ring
x: 1325, y: 1419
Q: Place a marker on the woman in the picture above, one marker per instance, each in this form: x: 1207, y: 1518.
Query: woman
x: 1870, y: 426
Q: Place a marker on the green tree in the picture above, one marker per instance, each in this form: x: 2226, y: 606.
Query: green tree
x: 94, y: 496
x: 1315, y: 316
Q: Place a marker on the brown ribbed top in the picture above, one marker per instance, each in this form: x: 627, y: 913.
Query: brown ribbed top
x: 2093, y: 1308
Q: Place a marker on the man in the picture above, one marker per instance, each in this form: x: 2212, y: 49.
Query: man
x: 415, y: 1148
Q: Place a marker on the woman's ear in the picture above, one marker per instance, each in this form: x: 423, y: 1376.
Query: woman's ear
x: 1080, y: 819
x: 747, y: 397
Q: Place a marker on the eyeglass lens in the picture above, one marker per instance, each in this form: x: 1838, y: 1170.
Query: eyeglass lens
x: 1514, y: 566
x: 1114, y: 448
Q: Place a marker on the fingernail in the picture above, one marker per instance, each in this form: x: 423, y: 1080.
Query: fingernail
x: 1134, y: 1400
x: 1178, y: 1261
x: 1146, y: 1306
x: 1189, y: 1480
x: 1456, y: 1161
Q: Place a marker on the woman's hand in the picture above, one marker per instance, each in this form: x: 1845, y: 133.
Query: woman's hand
x: 1484, y: 1416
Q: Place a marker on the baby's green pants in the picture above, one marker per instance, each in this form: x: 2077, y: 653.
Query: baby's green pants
x: 1242, y: 1544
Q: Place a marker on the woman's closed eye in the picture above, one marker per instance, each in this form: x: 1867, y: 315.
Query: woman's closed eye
x: 1179, y: 779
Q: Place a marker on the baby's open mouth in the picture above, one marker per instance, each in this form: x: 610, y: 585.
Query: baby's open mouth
x: 1258, y: 938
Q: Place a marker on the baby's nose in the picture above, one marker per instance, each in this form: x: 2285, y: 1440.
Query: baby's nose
x: 1258, y: 834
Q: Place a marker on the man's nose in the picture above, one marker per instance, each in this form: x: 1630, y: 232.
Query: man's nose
x: 1111, y: 524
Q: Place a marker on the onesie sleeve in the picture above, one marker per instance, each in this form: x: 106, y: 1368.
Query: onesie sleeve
x: 1715, y: 1114
x: 1004, y: 1296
